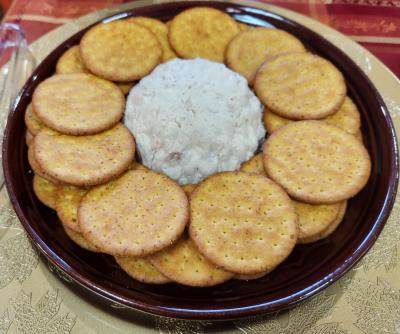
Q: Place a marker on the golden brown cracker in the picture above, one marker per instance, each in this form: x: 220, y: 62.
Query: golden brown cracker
x: 85, y: 160
x: 320, y: 164
x: 45, y: 191
x: 251, y: 48
x: 202, y: 32
x: 36, y: 168
x: 29, y: 137
x: 313, y: 219
x: 141, y: 269
x: 182, y: 263
x: 78, y: 104
x: 254, y: 165
x: 331, y: 228
x: 137, y: 165
x: 67, y: 203
x: 242, y: 222
x: 80, y: 240
x: 32, y: 121
x: 137, y: 214
x: 125, y: 87
x: 300, y: 86
x: 70, y: 62
x: 244, y: 26
x: 250, y: 277
x: 347, y: 118
x: 188, y: 188
x: 159, y: 29
x: 120, y: 51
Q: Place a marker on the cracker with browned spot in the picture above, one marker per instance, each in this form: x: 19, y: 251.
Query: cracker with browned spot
x: 252, y: 47
x: 244, y: 223
x: 141, y: 269
x: 70, y: 62
x: 85, y: 160
x: 183, y: 263
x: 254, y: 165
x: 80, y: 240
x: 78, y: 104
x: 32, y: 121
x: 320, y: 164
x: 202, y: 32
x: 120, y: 51
x: 331, y: 228
x: 45, y: 190
x: 137, y: 214
x: 67, y: 203
x: 300, y: 86
x: 313, y: 219
x: 159, y: 29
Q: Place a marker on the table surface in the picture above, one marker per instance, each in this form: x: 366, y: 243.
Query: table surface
x: 33, y: 299
x: 372, y: 23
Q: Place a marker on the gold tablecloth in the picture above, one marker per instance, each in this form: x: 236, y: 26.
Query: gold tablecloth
x: 35, y: 298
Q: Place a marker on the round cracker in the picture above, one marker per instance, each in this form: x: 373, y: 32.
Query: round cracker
x: 182, y: 263
x: 159, y: 29
x: 29, y: 137
x: 67, y: 203
x: 141, y: 269
x: 300, y: 86
x: 136, y: 165
x: 250, y: 277
x: 331, y: 228
x: 254, y: 165
x: 188, y: 188
x: 248, y: 50
x: 320, y: 164
x: 80, y: 240
x: 36, y: 168
x: 313, y: 219
x: 242, y: 222
x: 70, y: 62
x: 120, y: 51
x: 347, y: 118
x: 138, y: 214
x: 202, y: 32
x: 78, y: 104
x: 86, y: 160
x: 32, y: 121
x: 125, y: 87
x: 244, y: 26
x: 45, y: 190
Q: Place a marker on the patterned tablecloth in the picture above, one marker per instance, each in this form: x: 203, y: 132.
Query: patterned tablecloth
x: 33, y: 298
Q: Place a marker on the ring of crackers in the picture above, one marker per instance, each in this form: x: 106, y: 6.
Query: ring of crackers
x: 244, y: 223
x: 86, y: 160
x: 264, y: 43
x: 182, y: 263
x: 78, y: 104
x: 202, y: 32
x: 300, y: 86
x: 320, y: 164
x: 120, y: 51
x: 137, y: 214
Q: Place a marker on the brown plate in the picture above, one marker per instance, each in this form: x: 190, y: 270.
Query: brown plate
x: 308, y: 270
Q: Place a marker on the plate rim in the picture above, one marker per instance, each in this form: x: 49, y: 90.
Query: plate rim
x: 220, y: 314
